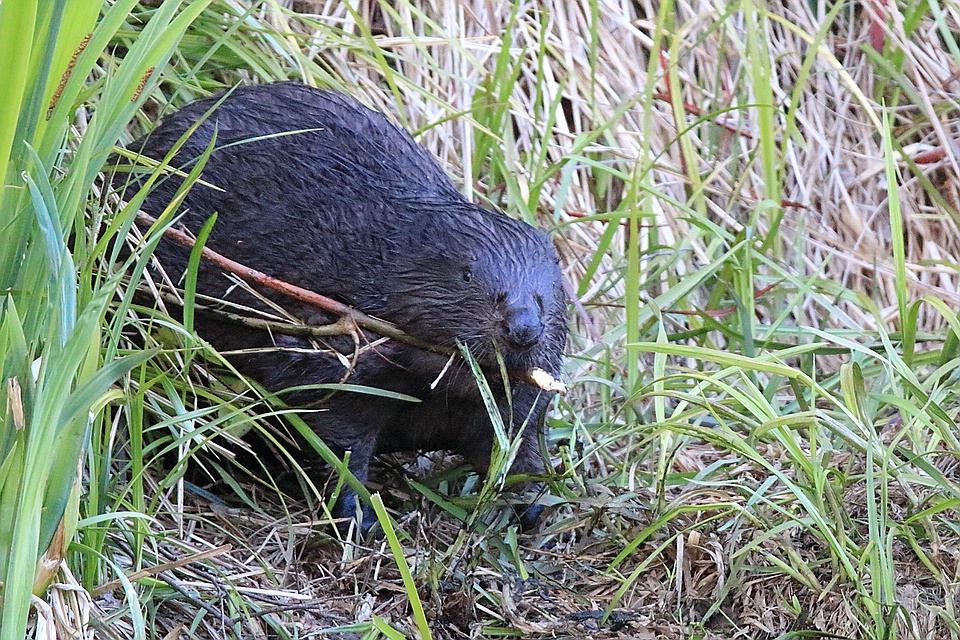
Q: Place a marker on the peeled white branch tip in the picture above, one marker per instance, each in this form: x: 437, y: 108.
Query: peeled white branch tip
x: 547, y: 382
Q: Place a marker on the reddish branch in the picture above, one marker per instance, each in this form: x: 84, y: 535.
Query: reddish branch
x: 932, y: 156
x: 323, y: 303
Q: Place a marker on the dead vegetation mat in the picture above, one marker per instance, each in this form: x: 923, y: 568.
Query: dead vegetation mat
x: 610, y: 563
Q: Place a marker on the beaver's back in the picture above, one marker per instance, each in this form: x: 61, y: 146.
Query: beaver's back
x: 300, y: 170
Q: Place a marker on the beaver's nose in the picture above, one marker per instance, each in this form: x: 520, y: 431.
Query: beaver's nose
x: 522, y: 326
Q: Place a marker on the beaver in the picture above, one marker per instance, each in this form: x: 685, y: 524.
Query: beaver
x: 317, y: 190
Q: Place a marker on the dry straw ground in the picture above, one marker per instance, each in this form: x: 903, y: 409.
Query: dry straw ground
x: 748, y: 449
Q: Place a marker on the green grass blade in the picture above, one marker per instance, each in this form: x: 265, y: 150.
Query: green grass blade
x: 411, y: 586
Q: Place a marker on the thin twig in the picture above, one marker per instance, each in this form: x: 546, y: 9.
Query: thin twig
x: 321, y: 302
x: 174, y: 584
x: 342, y: 327
x: 166, y: 566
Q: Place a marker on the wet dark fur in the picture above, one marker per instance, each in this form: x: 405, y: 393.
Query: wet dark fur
x: 358, y: 211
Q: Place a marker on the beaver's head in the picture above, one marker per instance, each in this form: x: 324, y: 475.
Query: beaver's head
x: 487, y: 281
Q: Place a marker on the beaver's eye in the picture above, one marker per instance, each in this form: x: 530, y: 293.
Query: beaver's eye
x: 466, y: 274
